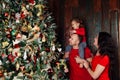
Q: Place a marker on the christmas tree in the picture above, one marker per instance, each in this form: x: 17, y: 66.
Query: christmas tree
x: 28, y: 47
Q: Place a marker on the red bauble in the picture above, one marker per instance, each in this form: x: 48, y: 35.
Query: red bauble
x: 22, y: 15
x: 9, y: 29
x: 35, y: 59
x: 31, y: 1
x: 11, y: 57
x: 41, y: 35
x: 1, y: 73
x: 8, y: 36
x: 6, y: 14
x: 47, y: 49
x: 16, y: 46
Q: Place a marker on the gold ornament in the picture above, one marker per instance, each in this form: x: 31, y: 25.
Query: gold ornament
x: 17, y: 66
x: 24, y: 29
x: 43, y: 38
x: 40, y: 8
x: 41, y: 17
x: 29, y: 27
x: 19, y: 54
x: 10, y: 49
x: 4, y: 44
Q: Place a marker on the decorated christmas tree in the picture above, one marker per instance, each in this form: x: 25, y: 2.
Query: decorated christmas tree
x: 28, y: 46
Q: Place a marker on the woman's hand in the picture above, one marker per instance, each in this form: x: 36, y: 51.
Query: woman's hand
x: 86, y: 64
x: 79, y: 60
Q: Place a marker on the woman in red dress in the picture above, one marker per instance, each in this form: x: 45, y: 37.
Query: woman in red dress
x: 103, y: 63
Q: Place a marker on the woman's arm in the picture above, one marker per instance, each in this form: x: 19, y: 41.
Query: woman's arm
x: 98, y: 70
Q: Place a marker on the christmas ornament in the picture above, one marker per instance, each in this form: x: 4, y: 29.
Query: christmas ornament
x: 17, y: 66
x: 10, y: 49
x: 32, y: 2
x: 18, y: 36
x: 6, y: 14
x: 40, y: 9
x: 43, y: 38
x: 17, y: 16
x: 13, y: 32
x: 5, y: 44
x: 1, y: 71
x: 25, y: 55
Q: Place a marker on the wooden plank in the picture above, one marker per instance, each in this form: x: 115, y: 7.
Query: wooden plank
x: 113, y: 4
x: 118, y: 3
x: 97, y: 15
x: 119, y: 38
x: 97, y: 5
x: 114, y: 16
x: 68, y: 16
x: 105, y: 15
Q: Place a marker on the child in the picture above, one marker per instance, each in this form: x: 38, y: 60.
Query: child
x: 78, y: 28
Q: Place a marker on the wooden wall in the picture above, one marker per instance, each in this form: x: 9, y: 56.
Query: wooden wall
x: 57, y: 8
x: 99, y: 15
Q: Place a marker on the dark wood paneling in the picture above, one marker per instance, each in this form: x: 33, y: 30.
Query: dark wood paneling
x: 105, y: 16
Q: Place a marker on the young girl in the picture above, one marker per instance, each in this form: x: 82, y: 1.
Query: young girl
x: 104, y: 63
x: 78, y: 28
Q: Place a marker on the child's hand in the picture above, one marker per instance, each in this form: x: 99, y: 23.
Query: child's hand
x: 78, y: 59
x: 72, y: 31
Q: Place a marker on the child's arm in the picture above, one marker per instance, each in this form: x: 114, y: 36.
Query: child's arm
x: 80, y: 31
x: 66, y: 55
x: 67, y: 51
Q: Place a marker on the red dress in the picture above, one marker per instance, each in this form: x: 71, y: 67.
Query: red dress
x: 81, y: 31
x: 104, y: 61
x: 77, y: 73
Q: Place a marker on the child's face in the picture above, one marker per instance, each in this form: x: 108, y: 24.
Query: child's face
x: 75, y: 25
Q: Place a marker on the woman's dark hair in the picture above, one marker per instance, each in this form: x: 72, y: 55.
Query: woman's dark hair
x: 107, y: 46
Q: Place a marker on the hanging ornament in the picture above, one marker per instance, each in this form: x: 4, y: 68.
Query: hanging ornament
x: 25, y: 55
x: 59, y: 49
x: 17, y: 66
x: 36, y: 28
x: 1, y: 63
x: 5, y: 44
x: 19, y: 54
x: 18, y: 36
x: 1, y: 71
x: 40, y: 8
x: 53, y: 48
x: 8, y: 36
x: 3, y: 55
x: 43, y: 38
x: 6, y: 14
x: 29, y: 27
x: 10, y: 49
x: 27, y: 6
x: 32, y: 2
x: 13, y: 32
x: 3, y: 5
x: 24, y: 29
x: 11, y: 58
x: 17, y: 16
x: 22, y: 15
x: 41, y: 17
x: 22, y: 68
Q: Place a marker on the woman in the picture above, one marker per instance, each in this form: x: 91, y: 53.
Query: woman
x: 103, y: 65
